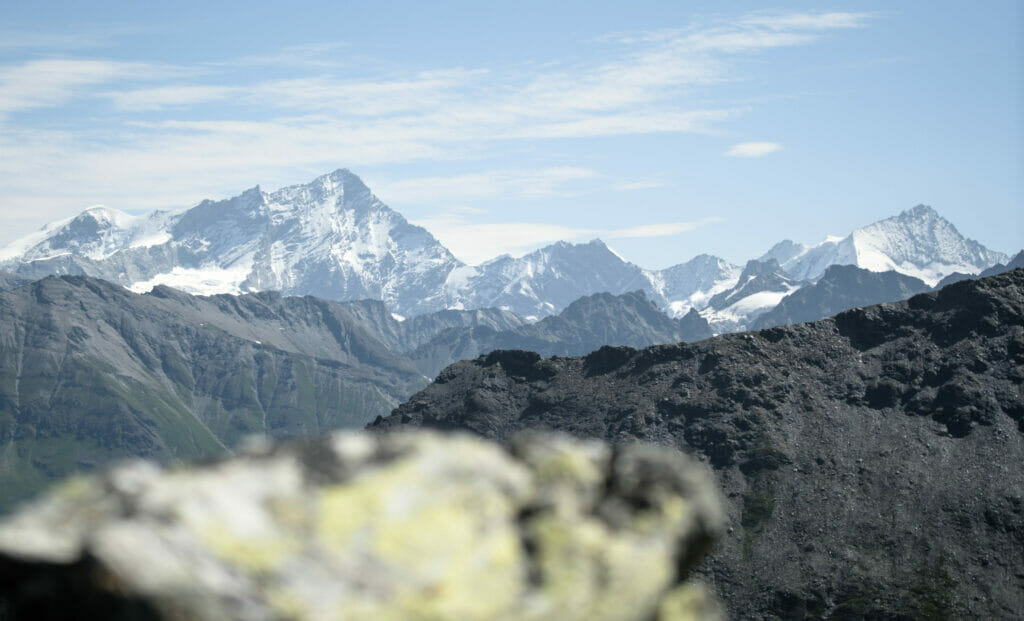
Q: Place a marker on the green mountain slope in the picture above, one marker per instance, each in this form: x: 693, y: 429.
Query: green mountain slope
x: 90, y: 373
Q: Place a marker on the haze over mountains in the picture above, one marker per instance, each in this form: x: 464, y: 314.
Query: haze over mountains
x: 332, y: 238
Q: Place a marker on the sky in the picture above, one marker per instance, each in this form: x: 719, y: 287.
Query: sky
x: 667, y: 129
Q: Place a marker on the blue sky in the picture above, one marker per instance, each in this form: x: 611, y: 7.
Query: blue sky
x: 666, y: 128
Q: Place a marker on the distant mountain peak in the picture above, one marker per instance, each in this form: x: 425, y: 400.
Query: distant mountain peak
x: 755, y: 267
x: 917, y: 242
x: 920, y: 211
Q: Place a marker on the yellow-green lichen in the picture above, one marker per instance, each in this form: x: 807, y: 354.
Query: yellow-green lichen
x: 690, y: 602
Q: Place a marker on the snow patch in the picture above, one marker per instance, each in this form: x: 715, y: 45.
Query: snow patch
x: 199, y: 281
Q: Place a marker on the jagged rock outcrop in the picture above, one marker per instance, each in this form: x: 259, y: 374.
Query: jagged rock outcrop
x: 871, y: 462
x: 406, y: 526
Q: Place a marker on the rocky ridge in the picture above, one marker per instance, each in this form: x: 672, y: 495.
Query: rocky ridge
x: 870, y: 461
x: 585, y: 325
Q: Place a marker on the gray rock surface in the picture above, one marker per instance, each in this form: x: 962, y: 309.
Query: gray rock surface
x: 871, y: 462
x: 408, y: 526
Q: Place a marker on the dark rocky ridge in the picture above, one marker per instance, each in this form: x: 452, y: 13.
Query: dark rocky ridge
x: 871, y: 461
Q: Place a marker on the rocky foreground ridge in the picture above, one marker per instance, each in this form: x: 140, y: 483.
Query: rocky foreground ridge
x: 406, y: 526
x: 871, y: 462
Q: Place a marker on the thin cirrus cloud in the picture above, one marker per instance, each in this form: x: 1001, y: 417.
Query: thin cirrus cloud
x: 446, y: 190
x: 200, y: 131
x: 753, y: 149
x: 50, y: 83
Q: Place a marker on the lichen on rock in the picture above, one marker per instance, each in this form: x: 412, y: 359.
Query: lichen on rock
x: 352, y: 526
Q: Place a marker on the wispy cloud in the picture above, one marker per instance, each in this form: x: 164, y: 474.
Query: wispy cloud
x: 50, y: 41
x: 171, y: 96
x: 50, y: 83
x: 209, y: 129
x: 475, y: 242
x: 753, y: 149
x: 525, y: 184
x: 663, y: 229
x: 631, y: 185
x: 807, y: 21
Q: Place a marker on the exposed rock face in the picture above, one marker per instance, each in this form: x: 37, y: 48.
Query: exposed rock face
x: 406, y: 526
x: 871, y: 461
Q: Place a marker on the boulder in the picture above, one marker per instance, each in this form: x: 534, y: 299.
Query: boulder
x: 410, y: 525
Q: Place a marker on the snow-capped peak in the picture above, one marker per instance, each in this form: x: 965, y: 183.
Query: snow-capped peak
x: 330, y: 237
x: 917, y: 242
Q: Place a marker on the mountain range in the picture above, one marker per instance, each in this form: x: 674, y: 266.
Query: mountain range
x: 91, y: 372
x: 870, y: 461
x: 333, y: 239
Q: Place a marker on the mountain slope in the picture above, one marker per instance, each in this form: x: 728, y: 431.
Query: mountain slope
x: 690, y: 285
x: 918, y: 242
x: 404, y: 335
x: 545, y: 281
x: 585, y: 325
x: 760, y: 287
x: 840, y: 288
x: 10, y: 281
x: 90, y: 372
x: 870, y: 461
x: 1014, y: 263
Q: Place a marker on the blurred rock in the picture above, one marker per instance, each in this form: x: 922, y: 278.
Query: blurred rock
x: 412, y: 525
